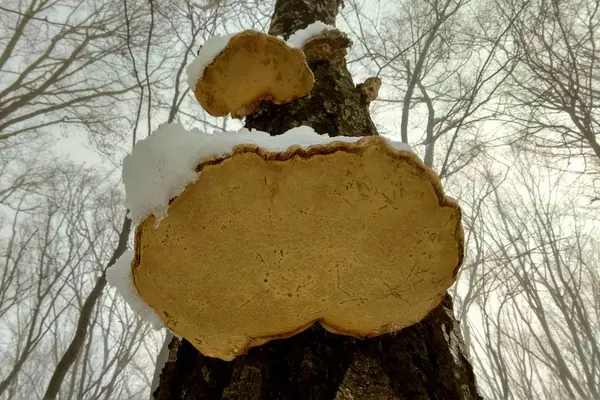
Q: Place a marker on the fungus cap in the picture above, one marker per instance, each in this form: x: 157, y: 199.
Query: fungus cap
x: 253, y: 66
x: 356, y: 236
x: 328, y: 45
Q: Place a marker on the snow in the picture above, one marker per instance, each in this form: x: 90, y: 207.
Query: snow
x: 398, y: 145
x: 119, y: 276
x: 209, y: 50
x: 159, y: 167
x: 162, y: 165
x: 298, y: 38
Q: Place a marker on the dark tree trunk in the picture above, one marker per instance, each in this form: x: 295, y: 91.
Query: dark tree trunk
x: 425, y: 361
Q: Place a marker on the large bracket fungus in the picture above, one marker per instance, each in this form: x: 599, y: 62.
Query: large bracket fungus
x: 252, y: 67
x: 356, y: 236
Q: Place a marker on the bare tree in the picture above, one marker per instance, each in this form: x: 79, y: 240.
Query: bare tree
x: 56, y: 240
x: 442, y: 63
x: 554, y: 91
x: 60, y: 64
x: 538, y: 335
x: 45, y: 261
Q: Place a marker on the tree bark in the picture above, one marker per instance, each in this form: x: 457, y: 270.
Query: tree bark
x: 425, y: 361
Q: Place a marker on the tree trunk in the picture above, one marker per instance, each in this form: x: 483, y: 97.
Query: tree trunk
x: 424, y: 361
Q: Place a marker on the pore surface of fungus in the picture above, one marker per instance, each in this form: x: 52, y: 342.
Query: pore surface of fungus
x: 253, y: 67
x: 357, y: 236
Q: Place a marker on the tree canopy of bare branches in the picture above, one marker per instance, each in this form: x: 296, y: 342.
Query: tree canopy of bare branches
x: 554, y: 90
x: 537, y: 331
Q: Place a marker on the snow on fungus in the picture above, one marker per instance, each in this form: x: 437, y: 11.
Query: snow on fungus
x: 209, y: 50
x: 162, y: 165
x: 119, y: 276
x: 298, y: 38
x: 355, y: 235
x: 159, y: 168
x: 252, y: 67
x: 398, y: 145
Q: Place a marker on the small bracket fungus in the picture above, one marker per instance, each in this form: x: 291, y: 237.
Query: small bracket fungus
x: 357, y: 236
x: 369, y: 89
x: 252, y: 67
x: 329, y: 45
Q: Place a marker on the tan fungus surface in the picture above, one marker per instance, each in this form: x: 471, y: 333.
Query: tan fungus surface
x: 253, y: 67
x: 356, y: 236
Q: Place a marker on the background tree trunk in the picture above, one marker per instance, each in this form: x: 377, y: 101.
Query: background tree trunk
x: 425, y: 361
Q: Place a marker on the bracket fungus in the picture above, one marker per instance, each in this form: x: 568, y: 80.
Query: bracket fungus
x: 329, y: 45
x: 357, y: 236
x: 252, y: 67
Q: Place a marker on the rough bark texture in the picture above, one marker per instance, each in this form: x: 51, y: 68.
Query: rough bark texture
x: 425, y: 361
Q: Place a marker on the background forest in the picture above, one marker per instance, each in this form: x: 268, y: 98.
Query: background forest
x: 501, y: 97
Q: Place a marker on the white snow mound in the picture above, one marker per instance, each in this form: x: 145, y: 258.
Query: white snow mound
x: 158, y: 167
x: 119, y: 276
x: 162, y: 165
x: 209, y: 50
x: 398, y: 145
x: 298, y: 38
